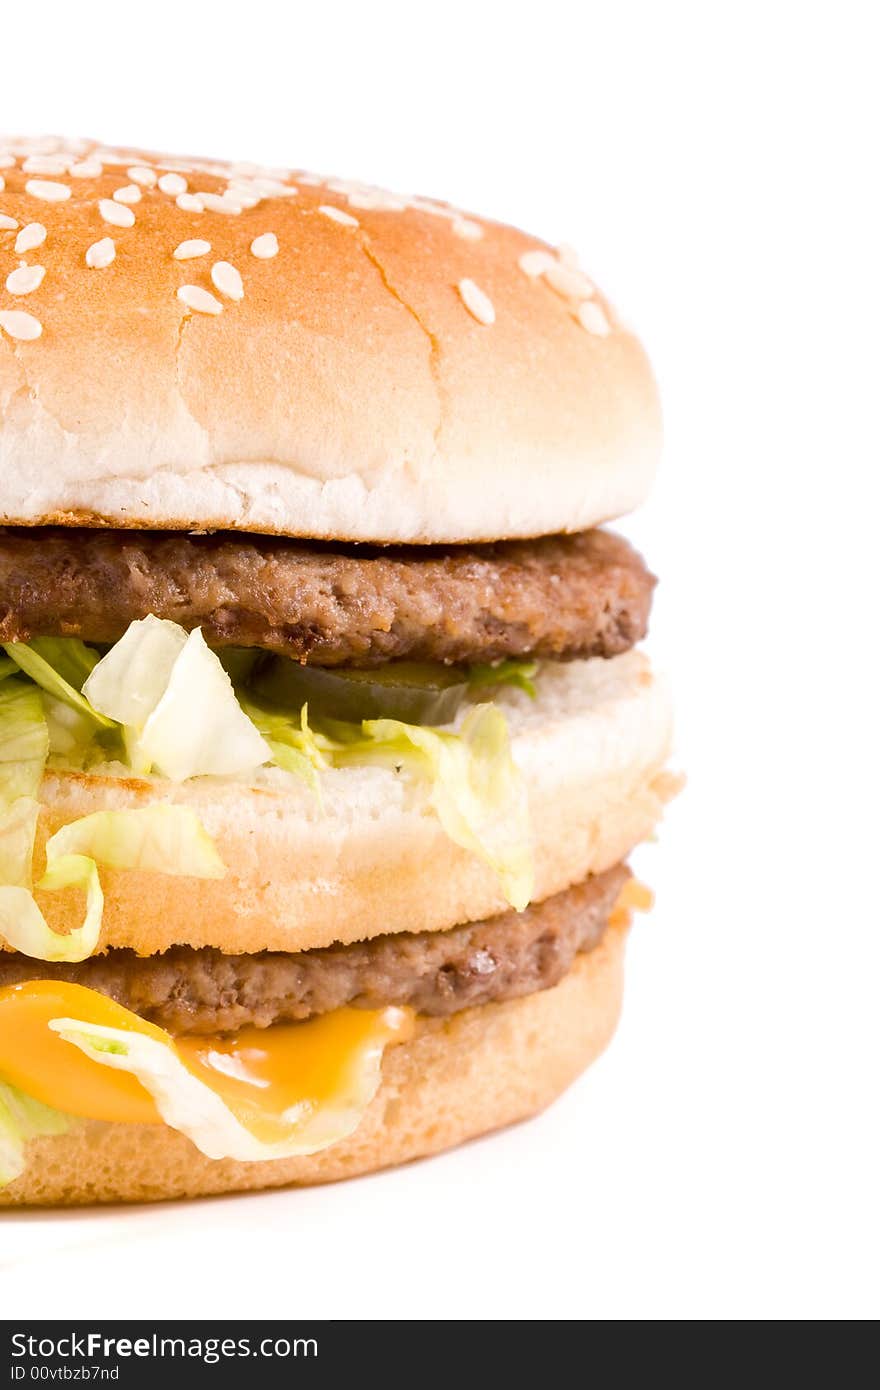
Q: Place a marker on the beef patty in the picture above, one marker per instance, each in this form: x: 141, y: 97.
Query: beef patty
x: 192, y: 991
x: 559, y: 596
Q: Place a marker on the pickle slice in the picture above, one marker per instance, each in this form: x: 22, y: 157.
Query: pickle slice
x: 412, y: 691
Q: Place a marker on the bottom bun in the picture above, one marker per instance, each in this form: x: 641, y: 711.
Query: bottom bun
x: 455, y: 1079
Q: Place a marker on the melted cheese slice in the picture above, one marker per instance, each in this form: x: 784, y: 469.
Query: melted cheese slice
x: 268, y: 1078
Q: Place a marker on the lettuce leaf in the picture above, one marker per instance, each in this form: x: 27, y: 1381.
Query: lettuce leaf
x: 47, y: 713
x: 176, y: 702
x: 131, y: 679
x: 58, y: 667
x: 39, y: 717
x: 68, y: 657
x: 519, y: 674
x: 18, y: 830
x: 162, y: 838
x: 21, y: 1119
x: 476, y: 788
x: 44, y: 661
x: 73, y: 735
x: 170, y: 700
x: 192, y: 1107
x: 165, y: 839
x: 294, y: 746
x: 23, y: 926
x: 24, y: 747
x: 24, y: 741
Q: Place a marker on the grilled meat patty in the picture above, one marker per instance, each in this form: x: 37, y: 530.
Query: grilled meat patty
x: 190, y: 991
x: 556, y: 597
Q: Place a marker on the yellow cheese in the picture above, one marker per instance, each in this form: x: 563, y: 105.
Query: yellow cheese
x: 268, y: 1077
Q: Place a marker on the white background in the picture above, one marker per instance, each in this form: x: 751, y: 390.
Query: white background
x: 717, y: 166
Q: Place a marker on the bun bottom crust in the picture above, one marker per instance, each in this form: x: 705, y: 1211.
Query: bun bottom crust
x: 455, y: 1079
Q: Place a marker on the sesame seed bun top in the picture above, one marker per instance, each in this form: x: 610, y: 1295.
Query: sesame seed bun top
x: 197, y: 345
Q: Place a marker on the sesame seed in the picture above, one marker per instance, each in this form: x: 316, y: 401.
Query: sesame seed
x: 25, y: 279
x: 274, y: 188
x: 7, y: 161
x: 49, y: 192
x: 7, y: 224
x: 338, y: 215
x: 101, y: 253
x: 187, y: 250
x: 130, y: 193
x: 365, y: 200
x: 201, y: 301
x: 593, y: 319
x: 429, y: 206
x: 115, y: 213
x: 86, y: 169
x: 243, y: 194
x: 219, y: 202
x: 139, y: 173
x: 567, y: 255
x: 2, y: 183
x: 265, y: 247
x: 44, y: 164
x: 535, y: 263
x: 466, y: 229
x: 30, y: 237
x: 569, y: 282
x: 173, y: 183
x: 189, y: 202
x: 20, y: 325
x: 38, y: 144
x: 477, y: 302
x: 227, y: 280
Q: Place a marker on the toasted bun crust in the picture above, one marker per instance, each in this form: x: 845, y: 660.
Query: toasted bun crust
x: 350, y: 394
x: 455, y: 1079
x: 375, y: 858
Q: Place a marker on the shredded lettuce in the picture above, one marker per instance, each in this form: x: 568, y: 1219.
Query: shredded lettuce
x: 58, y: 666
x: 73, y: 736
x: 18, y: 829
x: 176, y: 702
x: 476, y: 788
x: 131, y: 679
x: 519, y: 674
x: 23, y: 926
x: 165, y: 702
x: 45, y: 660
x: 189, y: 1105
x: 68, y: 657
x: 45, y: 714
x: 293, y: 743
x: 24, y: 747
x: 24, y: 741
x: 21, y: 1119
x: 164, y: 839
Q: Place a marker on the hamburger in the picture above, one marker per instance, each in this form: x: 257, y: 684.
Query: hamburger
x: 324, y: 732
